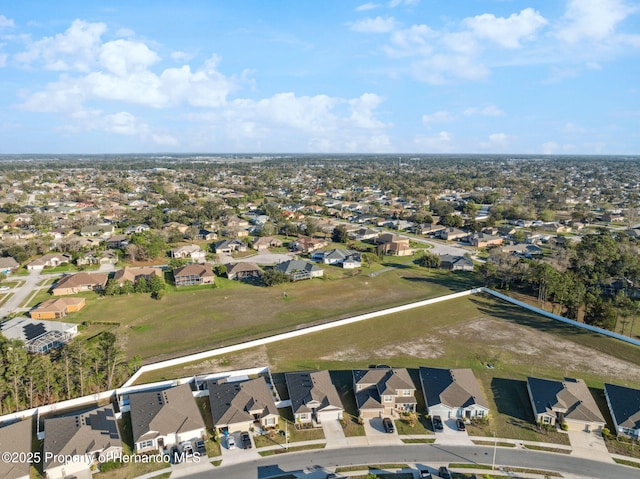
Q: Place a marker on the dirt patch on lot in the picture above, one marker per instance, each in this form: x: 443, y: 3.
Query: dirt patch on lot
x: 524, y: 345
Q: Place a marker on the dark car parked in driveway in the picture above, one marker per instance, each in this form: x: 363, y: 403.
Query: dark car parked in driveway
x: 246, y: 440
x: 387, y: 424
x: 460, y: 424
x: 437, y: 423
x: 424, y: 474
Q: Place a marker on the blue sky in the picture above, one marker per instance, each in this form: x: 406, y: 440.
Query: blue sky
x: 334, y: 76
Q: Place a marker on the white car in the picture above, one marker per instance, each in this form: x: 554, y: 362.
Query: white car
x: 4, y: 288
x: 231, y: 442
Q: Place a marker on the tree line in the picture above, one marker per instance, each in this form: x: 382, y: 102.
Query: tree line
x: 596, y: 279
x: 79, y: 368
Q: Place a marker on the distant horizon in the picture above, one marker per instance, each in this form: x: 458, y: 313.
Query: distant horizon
x: 331, y: 77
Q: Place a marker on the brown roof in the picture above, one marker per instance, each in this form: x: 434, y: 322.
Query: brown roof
x: 305, y: 387
x: 243, y: 266
x: 82, y: 279
x: 193, y: 269
x: 132, y: 274
x: 58, y: 305
x: 452, y: 387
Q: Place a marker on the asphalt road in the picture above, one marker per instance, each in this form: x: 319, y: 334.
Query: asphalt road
x: 424, y: 454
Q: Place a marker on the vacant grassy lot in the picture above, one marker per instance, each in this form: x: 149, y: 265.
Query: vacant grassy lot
x: 195, y: 320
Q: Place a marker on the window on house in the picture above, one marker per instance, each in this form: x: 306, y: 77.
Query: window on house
x: 546, y: 419
x: 270, y: 421
x: 304, y: 417
x: 145, y: 444
x: 387, y: 398
x: 406, y: 392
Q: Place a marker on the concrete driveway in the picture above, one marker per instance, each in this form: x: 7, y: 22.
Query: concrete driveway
x: 589, y: 445
x: 377, y: 435
x: 451, y: 436
x: 334, y: 434
x: 237, y: 454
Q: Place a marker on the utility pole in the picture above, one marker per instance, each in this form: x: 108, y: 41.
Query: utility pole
x: 495, y: 444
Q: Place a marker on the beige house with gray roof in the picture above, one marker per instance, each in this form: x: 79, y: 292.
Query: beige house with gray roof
x: 569, y: 401
x: 452, y: 393
x: 314, y: 398
x: 383, y: 392
x: 240, y: 405
x: 160, y: 419
x: 86, y: 437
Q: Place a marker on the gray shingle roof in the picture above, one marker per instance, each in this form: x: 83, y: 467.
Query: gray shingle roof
x: 15, y: 437
x: 80, y: 434
x: 625, y: 405
x: 452, y: 387
x: 570, y: 395
x: 288, y: 267
x: 233, y: 402
x: 305, y: 387
x: 158, y: 413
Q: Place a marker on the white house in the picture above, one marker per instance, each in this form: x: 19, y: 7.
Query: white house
x: 314, y: 398
x: 452, y: 393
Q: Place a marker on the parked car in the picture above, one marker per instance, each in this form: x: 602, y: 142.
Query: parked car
x: 332, y: 475
x: 460, y: 424
x: 387, y: 424
x: 444, y: 472
x: 437, y: 423
x: 246, y: 440
x: 4, y: 288
x: 175, y: 455
x: 187, y: 449
x: 231, y: 442
x: 424, y: 474
x: 200, y: 447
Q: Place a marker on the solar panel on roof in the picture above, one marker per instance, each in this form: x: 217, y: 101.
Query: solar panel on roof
x: 32, y: 331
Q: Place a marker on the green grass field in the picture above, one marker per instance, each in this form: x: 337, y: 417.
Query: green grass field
x: 199, y: 319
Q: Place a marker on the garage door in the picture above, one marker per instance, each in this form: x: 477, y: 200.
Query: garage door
x: 329, y: 415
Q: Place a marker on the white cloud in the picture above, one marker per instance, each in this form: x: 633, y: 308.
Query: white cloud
x: 440, y: 143
x: 164, y: 139
x: 124, y: 123
x: 362, y: 115
x: 507, y: 32
x: 3, y: 59
x: 489, y: 110
x: 74, y: 50
x: 124, y: 57
x: 549, y: 148
x: 367, y: 6
x: 441, y: 116
x: 416, y: 40
x: 496, y: 142
x: 6, y: 22
x: 440, y: 69
x: 374, y: 25
x: 592, y: 19
x: 181, y: 56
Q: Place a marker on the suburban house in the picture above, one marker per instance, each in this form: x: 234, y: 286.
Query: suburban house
x: 482, y: 240
x: 306, y: 244
x: 104, y: 230
x: 568, y: 401
x: 39, y: 336
x: 8, y: 265
x: 48, y: 260
x: 117, y: 241
x: 134, y: 274
x: 263, y: 243
x: 314, y: 398
x: 240, y: 405
x: 624, y: 405
x: 191, y: 252
x: 347, y: 258
x: 429, y: 229
x: 451, y: 234
x: 229, y: 246
x: 362, y: 234
x: 57, y: 308
x: 132, y: 229
x: 452, y: 393
x: 160, y: 419
x: 456, y: 263
x: 383, y: 392
x: 523, y: 250
x: 82, y: 438
x: 193, y: 274
x: 391, y: 244
x: 204, y: 234
x: 76, y: 283
x: 243, y: 271
x: 297, y: 269
x: 16, y: 439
